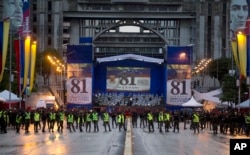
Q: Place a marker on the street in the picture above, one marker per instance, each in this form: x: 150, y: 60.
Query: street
x: 113, y: 143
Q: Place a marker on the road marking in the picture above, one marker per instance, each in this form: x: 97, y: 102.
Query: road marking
x: 128, y: 139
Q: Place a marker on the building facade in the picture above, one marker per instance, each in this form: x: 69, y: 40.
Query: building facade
x: 204, y: 24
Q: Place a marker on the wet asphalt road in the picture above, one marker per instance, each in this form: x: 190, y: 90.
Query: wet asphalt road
x: 112, y: 143
x: 75, y: 143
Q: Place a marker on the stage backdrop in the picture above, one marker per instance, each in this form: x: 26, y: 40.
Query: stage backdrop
x: 131, y: 79
x: 178, y: 74
x: 140, y: 76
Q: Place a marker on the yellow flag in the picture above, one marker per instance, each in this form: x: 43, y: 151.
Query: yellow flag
x: 242, y: 53
x: 5, y: 28
x: 26, y: 62
x: 235, y: 53
x: 32, y: 64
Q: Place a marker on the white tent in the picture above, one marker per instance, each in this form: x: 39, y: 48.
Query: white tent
x: 244, y: 104
x: 211, y: 96
x: 2, y: 99
x: 9, y: 97
x: 41, y: 103
x: 192, y: 103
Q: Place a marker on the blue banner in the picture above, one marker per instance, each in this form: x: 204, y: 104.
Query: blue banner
x: 179, y: 55
x: 79, y: 54
x: 85, y: 40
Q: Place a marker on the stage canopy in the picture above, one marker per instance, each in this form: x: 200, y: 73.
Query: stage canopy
x: 130, y: 56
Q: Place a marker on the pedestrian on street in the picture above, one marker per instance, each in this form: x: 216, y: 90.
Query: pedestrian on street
x: 113, y: 119
x: 18, y: 121
x: 27, y: 116
x: 143, y: 119
x: 61, y: 119
x: 70, y: 120
x: 88, y: 121
x: 4, y: 120
x: 106, y: 121
x: 121, y: 121
x: 36, y: 120
x: 95, y: 119
x: 150, y: 122
x: 167, y: 121
x: 134, y: 118
x: 196, y: 122
x: 176, y: 120
x: 160, y: 120
x: 44, y: 119
x: 80, y: 120
x: 52, y: 120
x: 248, y: 123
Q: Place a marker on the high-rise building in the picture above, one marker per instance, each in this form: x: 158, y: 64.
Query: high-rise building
x: 204, y: 24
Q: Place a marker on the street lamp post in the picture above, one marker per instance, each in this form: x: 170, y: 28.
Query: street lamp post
x: 10, y: 61
x: 248, y: 83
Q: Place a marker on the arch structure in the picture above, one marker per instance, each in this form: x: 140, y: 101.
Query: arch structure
x: 129, y: 23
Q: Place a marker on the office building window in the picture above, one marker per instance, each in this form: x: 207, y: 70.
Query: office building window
x: 49, y: 17
x: 49, y: 5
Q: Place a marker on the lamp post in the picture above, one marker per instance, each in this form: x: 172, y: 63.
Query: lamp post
x: 10, y: 66
x: 248, y: 83
x: 241, y: 56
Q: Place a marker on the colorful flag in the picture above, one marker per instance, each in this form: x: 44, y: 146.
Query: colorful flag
x: 4, y: 37
x: 19, y: 52
x: 32, y: 64
x: 26, y: 63
x: 242, y: 54
x: 248, y: 55
x: 235, y: 52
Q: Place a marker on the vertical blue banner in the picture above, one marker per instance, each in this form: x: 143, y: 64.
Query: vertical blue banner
x: 179, y: 60
x: 26, y: 18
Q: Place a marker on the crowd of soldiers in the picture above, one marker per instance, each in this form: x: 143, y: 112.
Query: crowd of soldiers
x: 228, y: 121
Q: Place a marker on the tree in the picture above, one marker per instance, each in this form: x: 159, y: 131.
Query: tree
x: 229, y: 90
x: 43, y: 63
x: 219, y: 68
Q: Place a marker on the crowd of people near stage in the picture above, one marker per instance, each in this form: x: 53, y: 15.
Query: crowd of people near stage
x: 135, y: 99
x: 227, y: 121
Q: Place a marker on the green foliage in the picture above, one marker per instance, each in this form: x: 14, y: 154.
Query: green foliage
x: 220, y: 67
x: 44, y: 64
x: 229, y: 89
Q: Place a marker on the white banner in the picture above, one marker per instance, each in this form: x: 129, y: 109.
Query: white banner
x: 128, y: 79
x: 178, y: 91
x: 79, y: 83
x: 79, y: 90
x: 129, y: 84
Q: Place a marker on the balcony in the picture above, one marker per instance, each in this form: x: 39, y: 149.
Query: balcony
x: 129, y: 1
x: 66, y: 24
x: 66, y: 35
